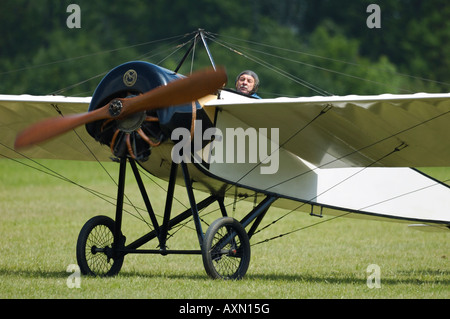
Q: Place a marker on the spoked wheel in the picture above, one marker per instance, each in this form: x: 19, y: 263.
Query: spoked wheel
x: 95, y: 255
x: 226, y: 249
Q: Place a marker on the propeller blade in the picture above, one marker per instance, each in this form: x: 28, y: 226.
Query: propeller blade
x: 177, y: 92
x: 182, y: 91
x: 55, y: 126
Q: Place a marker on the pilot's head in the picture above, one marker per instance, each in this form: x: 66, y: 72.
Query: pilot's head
x: 247, y: 82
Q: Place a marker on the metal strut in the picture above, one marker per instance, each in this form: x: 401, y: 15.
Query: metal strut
x: 193, y: 204
x: 119, y: 203
x: 200, y: 34
x: 160, y: 232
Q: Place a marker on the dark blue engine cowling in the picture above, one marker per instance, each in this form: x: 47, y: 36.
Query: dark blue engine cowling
x: 133, y: 78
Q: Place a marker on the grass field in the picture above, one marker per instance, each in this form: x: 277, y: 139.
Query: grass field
x: 41, y: 216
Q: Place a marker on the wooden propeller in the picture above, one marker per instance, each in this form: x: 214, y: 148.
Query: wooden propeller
x: 177, y: 92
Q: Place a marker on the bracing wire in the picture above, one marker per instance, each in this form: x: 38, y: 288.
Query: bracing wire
x: 273, y: 68
x: 42, y: 168
x: 396, y: 149
x: 241, y: 51
x: 316, y: 56
x: 71, y: 59
x: 47, y: 170
x: 234, y: 49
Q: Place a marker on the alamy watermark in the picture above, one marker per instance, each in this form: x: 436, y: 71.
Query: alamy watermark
x: 238, y: 145
x: 373, y: 276
x: 374, y: 19
x: 74, y: 279
x: 74, y: 19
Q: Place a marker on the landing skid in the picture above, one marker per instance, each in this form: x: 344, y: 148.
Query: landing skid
x: 225, y: 247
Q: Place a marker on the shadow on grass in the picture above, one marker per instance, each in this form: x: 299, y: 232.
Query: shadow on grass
x: 29, y: 273
x: 402, y: 277
x: 414, y: 277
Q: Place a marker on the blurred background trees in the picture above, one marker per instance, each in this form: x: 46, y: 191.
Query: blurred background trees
x: 298, y: 47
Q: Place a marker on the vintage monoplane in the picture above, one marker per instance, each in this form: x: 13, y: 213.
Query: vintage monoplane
x: 352, y: 155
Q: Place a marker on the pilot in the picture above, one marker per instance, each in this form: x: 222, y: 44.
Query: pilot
x: 247, y: 82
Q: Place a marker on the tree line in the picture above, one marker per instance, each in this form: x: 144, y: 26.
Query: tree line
x: 298, y: 47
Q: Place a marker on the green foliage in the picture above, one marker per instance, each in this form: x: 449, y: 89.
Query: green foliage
x: 41, y: 217
x: 299, y: 48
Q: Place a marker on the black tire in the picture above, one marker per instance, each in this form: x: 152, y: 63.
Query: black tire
x: 95, y: 255
x: 226, y: 249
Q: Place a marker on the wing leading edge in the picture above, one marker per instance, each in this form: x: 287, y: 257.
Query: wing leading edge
x: 349, y: 131
x: 19, y: 111
x: 355, y: 131
x: 329, y: 132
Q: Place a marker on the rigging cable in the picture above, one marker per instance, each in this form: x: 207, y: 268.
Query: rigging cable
x: 396, y: 149
x: 229, y: 47
x: 90, y: 55
x: 60, y: 176
x: 275, y: 69
x: 358, y: 65
x: 356, y: 151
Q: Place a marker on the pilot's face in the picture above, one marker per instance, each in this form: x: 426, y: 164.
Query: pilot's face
x: 245, y: 84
